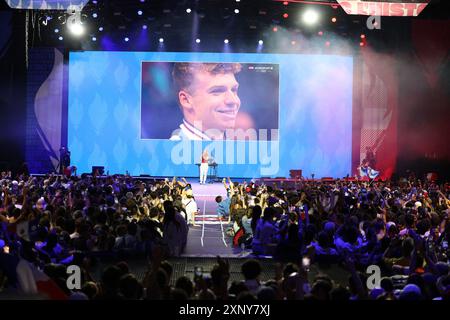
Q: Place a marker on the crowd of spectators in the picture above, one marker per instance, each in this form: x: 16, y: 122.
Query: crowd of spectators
x: 51, y: 222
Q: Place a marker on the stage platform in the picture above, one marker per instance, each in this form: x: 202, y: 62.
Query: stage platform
x: 212, y: 180
x: 210, y: 238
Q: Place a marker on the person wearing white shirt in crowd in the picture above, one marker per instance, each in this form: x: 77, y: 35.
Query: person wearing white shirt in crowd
x: 190, y: 206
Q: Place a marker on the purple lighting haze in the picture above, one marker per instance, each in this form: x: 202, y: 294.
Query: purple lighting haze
x: 108, y: 44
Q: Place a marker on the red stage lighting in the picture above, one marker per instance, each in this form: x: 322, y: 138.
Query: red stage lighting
x: 285, y: 15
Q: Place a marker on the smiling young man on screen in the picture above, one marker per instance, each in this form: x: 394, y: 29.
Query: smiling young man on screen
x: 208, y: 97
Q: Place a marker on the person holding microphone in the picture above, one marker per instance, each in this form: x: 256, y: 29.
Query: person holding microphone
x: 204, y: 167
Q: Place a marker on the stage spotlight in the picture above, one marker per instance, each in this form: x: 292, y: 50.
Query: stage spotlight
x: 361, y: 44
x: 275, y: 29
x: 333, y: 19
x: 197, y: 40
x: 238, y: 0
x: 56, y: 30
x: 327, y: 43
x: 260, y: 46
x: 126, y: 39
x: 363, y: 36
x: 188, y: 10
x: 144, y: 27
x: 285, y: 15
x: 161, y: 40
x: 293, y: 42
x: 76, y: 29
x: 320, y: 33
x: 285, y: 3
x: 140, y: 12
x: 100, y: 29
x: 226, y: 41
x: 94, y: 15
x: 310, y: 17
x: 94, y: 39
x: 60, y: 38
x: 236, y: 11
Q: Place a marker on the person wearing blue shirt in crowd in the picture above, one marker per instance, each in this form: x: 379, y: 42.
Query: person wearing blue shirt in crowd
x: 223, y: 205
x: 266, y: 235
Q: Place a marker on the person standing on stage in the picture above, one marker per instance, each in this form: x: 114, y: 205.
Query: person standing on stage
x: 204, y: 167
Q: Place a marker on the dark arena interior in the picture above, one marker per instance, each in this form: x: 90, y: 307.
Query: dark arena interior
x: 244, y: 152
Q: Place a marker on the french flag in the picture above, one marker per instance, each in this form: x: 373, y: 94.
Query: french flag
x: 28, y: 279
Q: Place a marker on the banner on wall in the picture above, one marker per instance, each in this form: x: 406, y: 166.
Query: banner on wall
x: 379, y: 104
x: 390, y: 8
x: 45, y: 112
x: 46, y: 4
